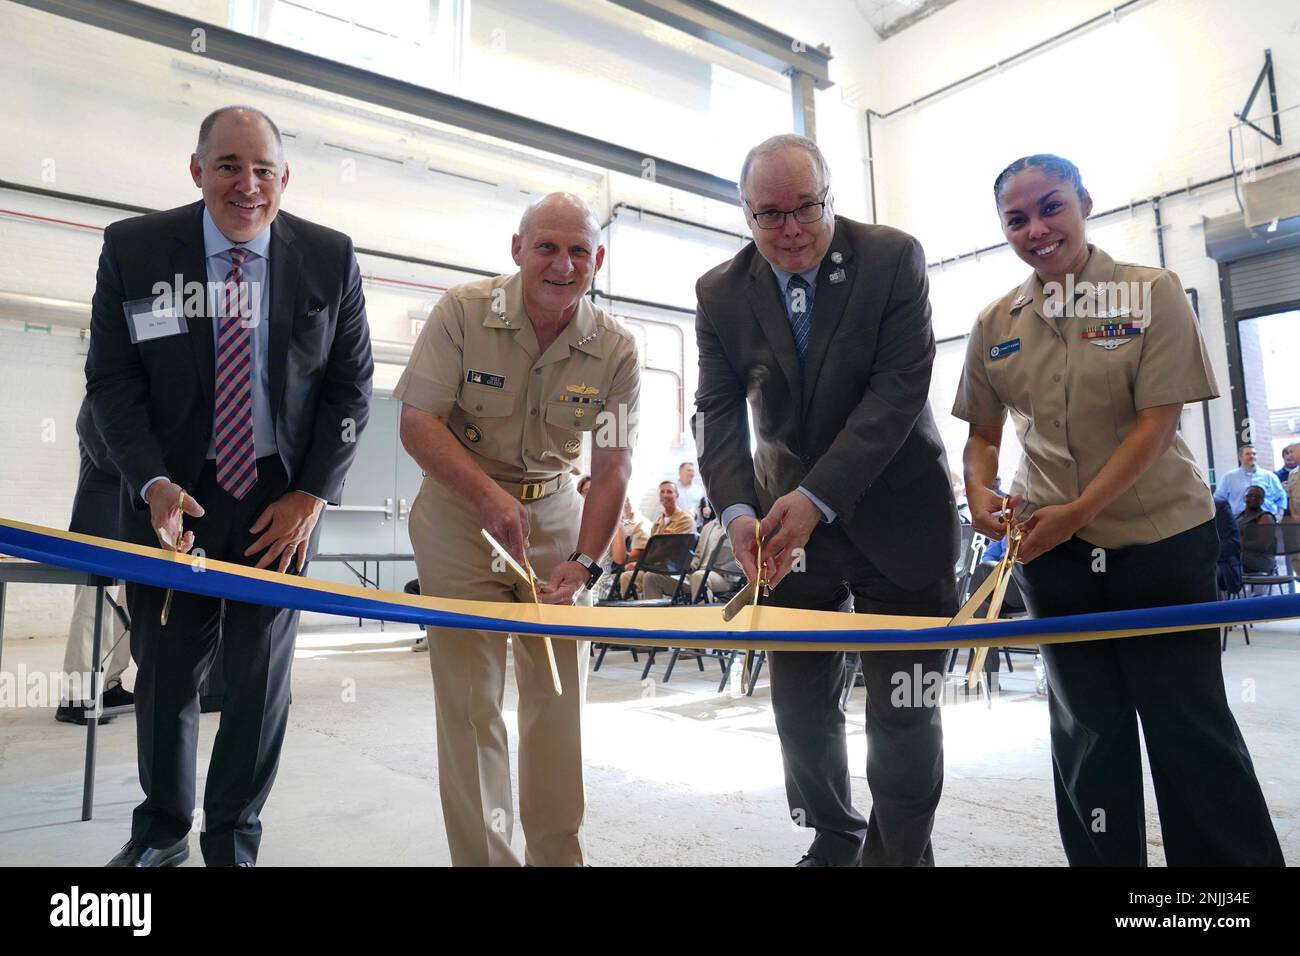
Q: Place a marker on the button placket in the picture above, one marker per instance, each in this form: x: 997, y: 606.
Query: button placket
x: 535, y: 399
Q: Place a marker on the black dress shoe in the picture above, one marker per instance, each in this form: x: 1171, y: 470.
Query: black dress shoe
x: 118, y: 696
x: 809, y: 860
x: 76, y: 714
x: 137, y: 854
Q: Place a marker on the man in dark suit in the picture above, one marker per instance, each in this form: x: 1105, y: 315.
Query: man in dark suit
x: 823, y: 324
x: 237, y: 400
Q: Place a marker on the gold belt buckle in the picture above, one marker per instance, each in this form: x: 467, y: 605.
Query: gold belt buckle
x: 531, y: 490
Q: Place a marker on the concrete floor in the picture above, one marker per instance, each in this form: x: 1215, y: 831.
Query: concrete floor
x: 677, y: 774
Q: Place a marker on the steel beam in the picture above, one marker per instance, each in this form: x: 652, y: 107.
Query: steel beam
x: 179, y: 34
x: 737, y: 33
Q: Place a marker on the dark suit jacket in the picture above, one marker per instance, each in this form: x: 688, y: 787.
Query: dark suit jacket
x: 95, y: 504
x: 153, y: 401
x: 854, y: 426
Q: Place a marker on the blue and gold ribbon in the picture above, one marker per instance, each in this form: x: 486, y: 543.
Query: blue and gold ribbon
x: 762, y: 628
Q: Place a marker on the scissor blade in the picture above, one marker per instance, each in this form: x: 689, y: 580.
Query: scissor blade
x: 505, y: 556
x: 747, y: 595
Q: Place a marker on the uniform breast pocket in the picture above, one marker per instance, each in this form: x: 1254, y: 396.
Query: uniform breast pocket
x: 1009, y: 377
x: 572, y: 416
x: 482, y: 401
x: 1121, y: 364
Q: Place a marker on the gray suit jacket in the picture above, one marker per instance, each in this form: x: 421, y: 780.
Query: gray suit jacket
x: 854, y: 426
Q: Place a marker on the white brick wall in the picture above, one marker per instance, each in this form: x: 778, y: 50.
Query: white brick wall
x: 42, y: 381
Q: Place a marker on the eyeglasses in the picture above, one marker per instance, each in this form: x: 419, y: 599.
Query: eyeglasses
x: 805, y: 214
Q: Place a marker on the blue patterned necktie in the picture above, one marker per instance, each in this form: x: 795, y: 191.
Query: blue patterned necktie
x: 798, y: 307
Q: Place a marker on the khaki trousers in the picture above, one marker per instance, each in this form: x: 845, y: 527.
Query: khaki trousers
x: 77, y: 656
x: 469, y: 669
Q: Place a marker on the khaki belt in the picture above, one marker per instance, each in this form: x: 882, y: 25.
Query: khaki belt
x: 531, y: 490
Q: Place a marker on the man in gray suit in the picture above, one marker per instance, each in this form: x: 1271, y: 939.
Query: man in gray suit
x: 823, y: 324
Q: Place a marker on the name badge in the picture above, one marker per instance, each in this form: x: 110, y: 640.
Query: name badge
x: 490, y: 379
x: 1003, y: 349
x: 153, y: 318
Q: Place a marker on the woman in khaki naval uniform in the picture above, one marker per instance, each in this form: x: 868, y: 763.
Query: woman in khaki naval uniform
x: 1094, y: 359
x: 508, y: 378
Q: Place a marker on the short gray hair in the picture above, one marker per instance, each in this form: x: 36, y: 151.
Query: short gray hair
x: 775, y: 144
x: 205, y: 128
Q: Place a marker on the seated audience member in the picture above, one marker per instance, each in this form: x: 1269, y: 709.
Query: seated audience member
x: 1253, y: 513
x: 630, y: 538
x: 671, y: 520
x: 654, y: 585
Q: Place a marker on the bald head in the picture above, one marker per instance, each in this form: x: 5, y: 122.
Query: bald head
x: 233, y: 117
x: 560, y: 210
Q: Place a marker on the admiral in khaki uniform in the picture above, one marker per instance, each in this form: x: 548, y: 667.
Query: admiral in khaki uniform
x: 508, y: 378
x: 1095, y: 360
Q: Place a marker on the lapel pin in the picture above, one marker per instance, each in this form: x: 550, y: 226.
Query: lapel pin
x: 837, y: 276
x: 837, y: 257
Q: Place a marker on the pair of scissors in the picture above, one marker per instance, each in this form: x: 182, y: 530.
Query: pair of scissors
x: 993, y: 589
x: 525, y: 574
x: 748, y: 595
x: 175, y: 543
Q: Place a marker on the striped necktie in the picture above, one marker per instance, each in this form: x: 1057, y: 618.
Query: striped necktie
x: 233, y: 409
x: 797, y: 306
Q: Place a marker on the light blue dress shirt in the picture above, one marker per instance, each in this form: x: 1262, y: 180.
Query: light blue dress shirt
x: 783, y: 281
x: 1233, y: 486
x: 257, y: 273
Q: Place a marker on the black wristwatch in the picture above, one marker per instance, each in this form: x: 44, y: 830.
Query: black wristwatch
x: 593, y: 569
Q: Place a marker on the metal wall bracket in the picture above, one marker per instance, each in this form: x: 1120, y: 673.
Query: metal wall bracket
x: 1265, y: 73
